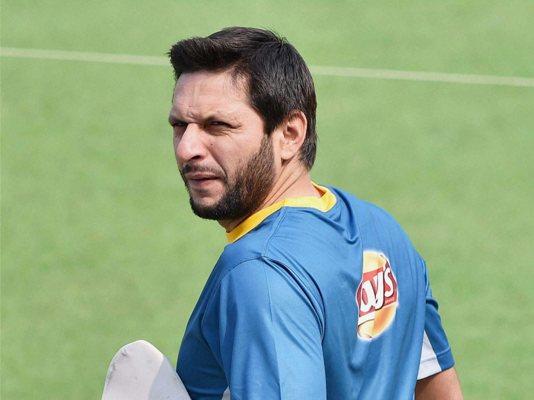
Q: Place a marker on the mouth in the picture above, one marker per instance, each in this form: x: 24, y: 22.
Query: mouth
x: 201, y: 181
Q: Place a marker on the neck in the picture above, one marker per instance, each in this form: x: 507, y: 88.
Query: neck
x: 296, y: 183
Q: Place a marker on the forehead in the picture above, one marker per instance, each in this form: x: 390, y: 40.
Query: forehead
x: 197, y: 94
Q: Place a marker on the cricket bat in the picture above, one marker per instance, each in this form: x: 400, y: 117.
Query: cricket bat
x: 139, y: 371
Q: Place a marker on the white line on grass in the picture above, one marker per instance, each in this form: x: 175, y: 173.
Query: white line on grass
x: 470, y: 79
x: 83, y: 56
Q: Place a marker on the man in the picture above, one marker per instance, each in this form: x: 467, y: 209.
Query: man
x: 318, y: 295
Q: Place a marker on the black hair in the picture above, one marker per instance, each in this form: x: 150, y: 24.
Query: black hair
x: 277, y: 78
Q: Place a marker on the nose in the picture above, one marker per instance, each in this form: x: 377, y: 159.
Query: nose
x: 189, y: 146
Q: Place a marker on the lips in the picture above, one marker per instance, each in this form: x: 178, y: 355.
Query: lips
x: 200, y: 180
x: 200, y: 176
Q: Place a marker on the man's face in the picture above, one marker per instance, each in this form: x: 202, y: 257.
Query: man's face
x: 223, y: 154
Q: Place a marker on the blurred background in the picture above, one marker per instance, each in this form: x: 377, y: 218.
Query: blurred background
x: 99, y: 246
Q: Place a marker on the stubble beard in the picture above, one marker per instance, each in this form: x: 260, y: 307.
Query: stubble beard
x: 251, y: 185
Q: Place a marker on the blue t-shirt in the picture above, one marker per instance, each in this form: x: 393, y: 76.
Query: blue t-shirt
x: 314, y: 298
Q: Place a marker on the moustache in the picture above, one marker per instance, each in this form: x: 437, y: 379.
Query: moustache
x: 193, y: 168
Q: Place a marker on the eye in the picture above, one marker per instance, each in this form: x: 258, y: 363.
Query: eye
x: 219, y: 123
x: 178, y: 128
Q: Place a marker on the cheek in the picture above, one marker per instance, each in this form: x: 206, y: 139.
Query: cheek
x: 220, y: 158
x: 277, y: 153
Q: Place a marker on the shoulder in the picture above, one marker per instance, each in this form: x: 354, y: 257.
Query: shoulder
x: 349, y: 218
x: 255, y: 276
x: 259, y: 290
x: 365, y: 211
x: 372, y: 218
x: 248, y: 276
x: 260, y: 285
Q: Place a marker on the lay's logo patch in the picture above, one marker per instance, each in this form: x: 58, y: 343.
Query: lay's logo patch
x: 377, y: 295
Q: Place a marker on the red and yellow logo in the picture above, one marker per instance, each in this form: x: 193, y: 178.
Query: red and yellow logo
x: 377, y: 295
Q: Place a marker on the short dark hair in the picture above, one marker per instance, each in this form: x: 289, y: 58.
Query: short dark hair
x: 276, y: 75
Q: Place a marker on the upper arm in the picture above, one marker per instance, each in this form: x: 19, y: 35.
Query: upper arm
x: 442, y: 386
x: 266, y: 334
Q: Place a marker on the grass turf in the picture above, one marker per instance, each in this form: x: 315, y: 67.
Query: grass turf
x: 99, y: 246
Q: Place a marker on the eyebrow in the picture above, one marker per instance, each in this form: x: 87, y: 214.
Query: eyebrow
x: 173, y: 119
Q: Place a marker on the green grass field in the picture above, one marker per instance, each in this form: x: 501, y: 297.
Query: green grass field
x: 99, y: 246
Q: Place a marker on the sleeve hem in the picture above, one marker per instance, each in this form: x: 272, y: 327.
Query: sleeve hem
x: 435, y: 365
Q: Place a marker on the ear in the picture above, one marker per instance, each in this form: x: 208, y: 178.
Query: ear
x: 292, y: 136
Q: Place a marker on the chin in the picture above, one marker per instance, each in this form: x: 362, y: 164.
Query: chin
x: 206, y: 209
x: 206, y: 203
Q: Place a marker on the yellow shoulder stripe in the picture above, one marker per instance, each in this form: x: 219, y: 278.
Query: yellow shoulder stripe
x: 323, y: 203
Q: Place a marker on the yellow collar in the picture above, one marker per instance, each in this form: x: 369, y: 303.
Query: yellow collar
x: 323, y: 203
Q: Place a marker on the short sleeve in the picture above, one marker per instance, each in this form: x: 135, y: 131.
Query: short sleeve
x: 266, y: 334
x: 436, y: 354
